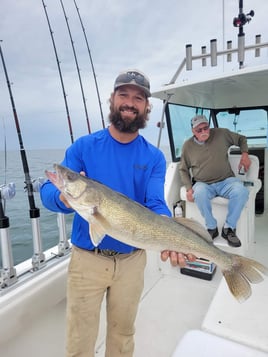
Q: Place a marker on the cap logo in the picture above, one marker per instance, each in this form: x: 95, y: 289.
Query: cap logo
x: 133, y: 77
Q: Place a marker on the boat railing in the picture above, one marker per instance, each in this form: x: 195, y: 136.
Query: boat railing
x: 213, y: 54
x: 8, y: 272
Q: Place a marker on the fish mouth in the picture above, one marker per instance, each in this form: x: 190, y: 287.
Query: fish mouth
x: 55, y: 177
x: 52, y: 176
x: 62, y: 179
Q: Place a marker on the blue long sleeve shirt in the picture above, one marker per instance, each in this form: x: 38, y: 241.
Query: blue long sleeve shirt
x: 136, y: 169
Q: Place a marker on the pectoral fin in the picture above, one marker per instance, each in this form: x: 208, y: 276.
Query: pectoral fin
x: 97, y: 228
x: 97, y: 233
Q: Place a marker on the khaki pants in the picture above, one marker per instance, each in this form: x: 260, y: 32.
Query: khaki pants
x: 90, y: 277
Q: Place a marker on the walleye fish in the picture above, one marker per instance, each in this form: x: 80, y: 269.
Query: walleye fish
x: 112, y: 213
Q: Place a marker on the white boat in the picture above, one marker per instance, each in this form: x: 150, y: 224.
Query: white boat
x: 179, y: 314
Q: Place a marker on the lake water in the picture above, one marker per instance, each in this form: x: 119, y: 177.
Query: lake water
x: 17, y: 208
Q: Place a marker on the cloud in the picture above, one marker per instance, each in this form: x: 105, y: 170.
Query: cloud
x: 121, y: 34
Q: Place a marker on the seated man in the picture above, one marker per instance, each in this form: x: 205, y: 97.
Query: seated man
x: 206, y: 172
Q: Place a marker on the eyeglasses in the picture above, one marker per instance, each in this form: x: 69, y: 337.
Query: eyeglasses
x: 205, y: 128
x: 133, y: 76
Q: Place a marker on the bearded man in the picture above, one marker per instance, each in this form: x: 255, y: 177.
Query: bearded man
x: 119, y: 157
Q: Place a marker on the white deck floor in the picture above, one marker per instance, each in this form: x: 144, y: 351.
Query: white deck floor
x: 172, y: 304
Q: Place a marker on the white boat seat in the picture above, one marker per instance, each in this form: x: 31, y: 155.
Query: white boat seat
x: 246, y: 225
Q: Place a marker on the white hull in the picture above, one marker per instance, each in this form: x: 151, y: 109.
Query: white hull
x: 171, y: 305
x: 32, y: 311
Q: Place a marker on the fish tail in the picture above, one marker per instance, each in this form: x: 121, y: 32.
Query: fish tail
x: 243, y: 272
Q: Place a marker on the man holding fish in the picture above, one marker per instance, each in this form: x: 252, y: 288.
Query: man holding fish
x: 123, y: 160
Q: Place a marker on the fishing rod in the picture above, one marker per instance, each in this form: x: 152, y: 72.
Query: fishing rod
x: 60, y: 74
x: 8, y: 275
x: 63, y: 246
x: 77, y: 67
x: 92, y: 65
x: 38, y: 258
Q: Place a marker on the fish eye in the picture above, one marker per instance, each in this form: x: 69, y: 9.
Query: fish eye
x: 72, y: 175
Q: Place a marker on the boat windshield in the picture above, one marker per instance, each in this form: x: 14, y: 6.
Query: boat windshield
x: 251, y: 122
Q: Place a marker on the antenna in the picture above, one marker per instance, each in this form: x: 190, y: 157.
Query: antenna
x: 239, y: 21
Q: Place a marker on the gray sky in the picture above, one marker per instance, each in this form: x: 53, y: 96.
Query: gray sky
x: 143, y: 34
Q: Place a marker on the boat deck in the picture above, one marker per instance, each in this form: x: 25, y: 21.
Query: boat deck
x: 171, y: 305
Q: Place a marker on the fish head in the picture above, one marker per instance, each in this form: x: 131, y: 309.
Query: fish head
x: 70, y: 183
x: 83, y: 196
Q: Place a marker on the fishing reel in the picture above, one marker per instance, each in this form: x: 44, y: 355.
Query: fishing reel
x: 242, y: 19
x: 7, y: 191
x: 36, y: 184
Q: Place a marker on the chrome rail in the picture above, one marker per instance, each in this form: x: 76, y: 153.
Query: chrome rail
x: 214, y: 54
x: 8, y: 273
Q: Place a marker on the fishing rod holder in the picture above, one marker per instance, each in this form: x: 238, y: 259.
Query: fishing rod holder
x: 213, y: 54
x: 38, y: 258
x: 7, y: 191
x: 8, y: 275
x: 64, y: 245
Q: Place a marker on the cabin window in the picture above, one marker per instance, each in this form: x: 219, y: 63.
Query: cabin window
x: 179, y: 126
x: 253, y: 123
x: 249, y: 122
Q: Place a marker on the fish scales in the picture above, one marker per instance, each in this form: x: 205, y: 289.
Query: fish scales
x: 110, y: 212
x: 135, y: 225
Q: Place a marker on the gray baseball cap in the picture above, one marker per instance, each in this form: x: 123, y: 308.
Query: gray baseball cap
x: 133, y: 77
x: 198, y: 119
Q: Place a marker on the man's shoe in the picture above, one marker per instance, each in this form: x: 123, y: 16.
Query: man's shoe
x: 230, y: 235
x: 213, y: 232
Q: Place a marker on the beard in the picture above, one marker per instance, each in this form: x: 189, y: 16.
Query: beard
x: 125, y: 125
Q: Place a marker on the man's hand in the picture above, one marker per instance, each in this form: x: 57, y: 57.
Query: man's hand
x: 177, y: 258
x: 189, y: 195
x: 244, y: 161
